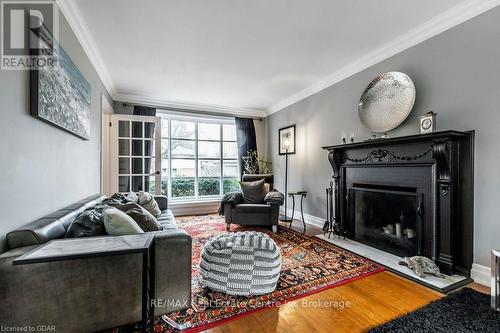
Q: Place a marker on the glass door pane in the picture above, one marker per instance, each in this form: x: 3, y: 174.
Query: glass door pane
x: 137, y: 141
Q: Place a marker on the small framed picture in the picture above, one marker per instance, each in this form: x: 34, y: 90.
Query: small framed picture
x: 287, y: 140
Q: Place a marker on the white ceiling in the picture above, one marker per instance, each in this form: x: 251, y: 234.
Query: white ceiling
x: 243, y: 54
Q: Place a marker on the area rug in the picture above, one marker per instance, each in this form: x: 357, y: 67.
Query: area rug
x: 309, y: 265
x: 463, y: 311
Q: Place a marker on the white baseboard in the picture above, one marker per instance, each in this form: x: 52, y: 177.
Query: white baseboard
x: 310, y: 219
x: 193, y: 208
x: 481, y: 274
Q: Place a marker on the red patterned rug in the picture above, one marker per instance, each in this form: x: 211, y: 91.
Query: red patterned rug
x: 309, y: 265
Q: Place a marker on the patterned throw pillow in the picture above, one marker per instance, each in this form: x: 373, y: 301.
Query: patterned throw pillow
x: 253, y: 192
x: 132, y: 197
x: 147, y: 200
x: 87, y: 224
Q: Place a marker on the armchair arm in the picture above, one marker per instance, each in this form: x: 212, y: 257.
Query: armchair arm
x: 228, y: 211
x: 274, y: 214
x: 274, y: 198
x: 162, y: 201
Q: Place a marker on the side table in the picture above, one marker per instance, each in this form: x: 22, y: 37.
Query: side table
x: 302, y: 195
x: 88, y: 247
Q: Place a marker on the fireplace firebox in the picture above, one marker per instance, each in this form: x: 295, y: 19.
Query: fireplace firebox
x: 409, y: 196
x: 387, y: 218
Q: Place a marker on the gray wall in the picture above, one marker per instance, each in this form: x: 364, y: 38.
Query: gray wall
x: 43, y: 167
x: 457, y: 74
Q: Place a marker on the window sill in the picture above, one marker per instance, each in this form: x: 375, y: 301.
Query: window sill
x: 183, y: 208
x: 192, y: 203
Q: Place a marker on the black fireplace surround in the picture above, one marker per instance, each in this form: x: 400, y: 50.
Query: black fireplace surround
x: 411, y: 195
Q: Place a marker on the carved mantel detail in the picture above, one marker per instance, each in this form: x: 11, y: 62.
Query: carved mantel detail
x: 437, y: 166
x: 335, y: 160
x: 384, y: 155
x: 440, y: 153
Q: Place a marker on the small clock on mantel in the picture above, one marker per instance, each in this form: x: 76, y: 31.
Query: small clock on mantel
x: 428, y: 122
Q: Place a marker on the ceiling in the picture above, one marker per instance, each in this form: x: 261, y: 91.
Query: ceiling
x: 246, y: 56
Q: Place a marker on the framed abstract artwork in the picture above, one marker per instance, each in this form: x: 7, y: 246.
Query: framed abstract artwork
x: 60, y: 94
x: 287, y: 140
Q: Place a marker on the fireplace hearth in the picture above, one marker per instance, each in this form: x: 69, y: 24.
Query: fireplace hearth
x: 409, y: 196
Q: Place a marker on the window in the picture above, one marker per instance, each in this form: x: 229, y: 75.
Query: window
x: 199, y: 157
x: 137, y: 164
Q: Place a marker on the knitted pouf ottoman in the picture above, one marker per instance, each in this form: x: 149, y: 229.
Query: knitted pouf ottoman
x: 241, y: 263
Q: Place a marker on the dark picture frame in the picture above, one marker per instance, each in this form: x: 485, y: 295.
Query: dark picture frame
x: 282, y: 134
x: 59, y: 93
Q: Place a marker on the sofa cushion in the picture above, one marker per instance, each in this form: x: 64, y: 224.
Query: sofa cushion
x: 36, y: 232
x: 253, y: 192
x: 51, y: 226
x: 132, y: 197
x: 147, y: 200
x: 141, y: 216
x: 115, y: 199
x: 117, y: 223
x: 167, y: 220
x: 162, y: 201
x: 68, y: 214
x: 251, y: 208
x: 87, y: 224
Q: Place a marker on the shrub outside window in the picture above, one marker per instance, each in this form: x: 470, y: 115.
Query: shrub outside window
x: 199, y: 158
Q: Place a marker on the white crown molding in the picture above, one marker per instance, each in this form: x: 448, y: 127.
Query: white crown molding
x: 162, y: 103
x: 440, y: 23
x: 74, y: 17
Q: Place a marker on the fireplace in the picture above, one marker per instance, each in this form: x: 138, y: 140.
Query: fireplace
x: 408, y: 196
x: 386, y: 217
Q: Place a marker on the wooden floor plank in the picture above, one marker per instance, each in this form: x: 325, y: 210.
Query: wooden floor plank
x: 374, y: 300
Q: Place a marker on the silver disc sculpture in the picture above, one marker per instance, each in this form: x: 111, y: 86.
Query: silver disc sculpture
x: 386, y: 102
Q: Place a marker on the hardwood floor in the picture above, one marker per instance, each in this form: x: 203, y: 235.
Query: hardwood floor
x: 354, y: 307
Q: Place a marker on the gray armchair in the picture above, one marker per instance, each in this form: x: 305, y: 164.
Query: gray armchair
x: 262, y: 214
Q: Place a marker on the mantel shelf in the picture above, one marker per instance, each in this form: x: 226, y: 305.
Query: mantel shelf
x: 449, y: 134
x: 438, y: 166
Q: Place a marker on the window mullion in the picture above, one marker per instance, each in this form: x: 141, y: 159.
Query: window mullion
x: 196, y: 160
x: 170, y: 179
x: 221, y: 153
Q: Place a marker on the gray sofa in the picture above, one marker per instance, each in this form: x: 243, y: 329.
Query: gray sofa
x: 86, y: 295
x: 253, y: 214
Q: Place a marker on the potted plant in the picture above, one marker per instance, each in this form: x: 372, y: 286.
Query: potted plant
x: 253, y: 165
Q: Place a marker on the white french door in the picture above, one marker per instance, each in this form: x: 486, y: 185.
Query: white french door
x: 135, y: 153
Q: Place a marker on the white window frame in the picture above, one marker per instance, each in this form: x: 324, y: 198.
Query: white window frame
x: 196, y: 119
x: 115, y: 155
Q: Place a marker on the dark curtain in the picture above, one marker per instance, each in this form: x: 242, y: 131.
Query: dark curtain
x: 144, y: 111
x: 148, y: 148
x: 245, y: 134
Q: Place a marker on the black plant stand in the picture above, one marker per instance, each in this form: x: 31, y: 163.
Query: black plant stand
x: 302, y: 194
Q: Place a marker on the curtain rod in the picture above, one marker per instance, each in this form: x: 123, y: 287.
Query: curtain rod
x: 209, y: 113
